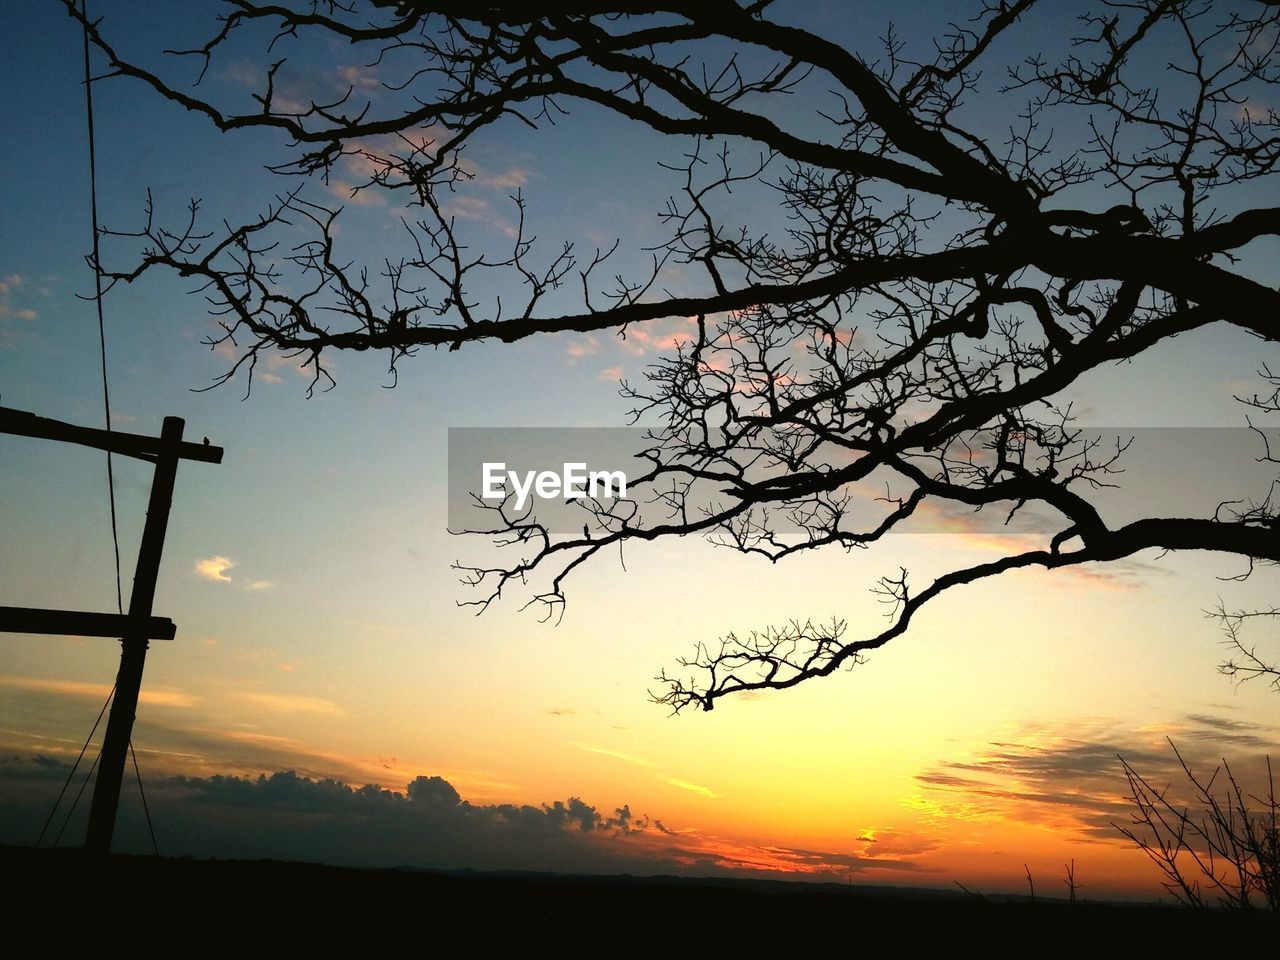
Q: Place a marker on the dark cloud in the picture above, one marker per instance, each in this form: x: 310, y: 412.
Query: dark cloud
x: 842, y: 862
x: 433, y: 790
x: 286, y: 815
x: 1225, y: 730
x: 1224, y: 723
x: 1075, y: 778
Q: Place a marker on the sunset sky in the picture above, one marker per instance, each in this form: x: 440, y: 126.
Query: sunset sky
x: 309, y: 574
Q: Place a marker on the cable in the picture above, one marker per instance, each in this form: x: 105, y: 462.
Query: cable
x: 106, y: 393
x: 75, y: 767
x: 145, y: 809
x: 97, y: 298
x: 87, y: 777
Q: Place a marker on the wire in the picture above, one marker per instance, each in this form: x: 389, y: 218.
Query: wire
x: 74, y: 767
x: 87, y: 777
x: 145, y: 809
x: 97, y: 297
x: 106, y: 399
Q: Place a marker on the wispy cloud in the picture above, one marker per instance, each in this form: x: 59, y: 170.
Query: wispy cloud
x: 616, y: 754
x: 691, y: 787
x: 360, y: 77
x: 1070, y: 777
x: 356, y: 196
x: 659, y: 336
x: 650, y: 765
x: 150, y: 695
x: 582, y: 347
x: 511, y: 178
x: 466, y: 207
x: 10, y: 283
x: 290, y: 703
x: 10, y: 287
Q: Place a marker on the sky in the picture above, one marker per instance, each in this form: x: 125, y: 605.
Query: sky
x: 326, y: 698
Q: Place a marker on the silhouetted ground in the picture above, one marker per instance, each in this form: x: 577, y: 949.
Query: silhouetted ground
x: 199, y: 901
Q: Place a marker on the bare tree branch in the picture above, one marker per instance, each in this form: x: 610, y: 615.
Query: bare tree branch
x: 904, y: 312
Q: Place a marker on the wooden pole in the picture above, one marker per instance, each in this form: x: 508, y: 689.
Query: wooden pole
x: 115, y: 745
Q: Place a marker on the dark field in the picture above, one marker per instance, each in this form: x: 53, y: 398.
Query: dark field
x: 198, y: 902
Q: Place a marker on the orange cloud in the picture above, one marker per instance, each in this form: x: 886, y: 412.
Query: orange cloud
x: 289, y: 703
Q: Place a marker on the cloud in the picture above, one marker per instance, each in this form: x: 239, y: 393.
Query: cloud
x: 656, y: 337
x: 286, y: 815
x: 289, y: 361
x: 359, y: 77
x: 612, y: 374
x: 215, y: 569
x: 241, y: 789
x: 289, y: 703
x: 10, y: 285
x: 244, y: 73
x: 691, y: 787
x: 464, y: 207
x: 150, y: 695
x: 1224, y: 730
x: 584, y: 347
x: 648, y: 764
x: 356, y: 196
x: 510, y: 179
x: 43, y: 716
x: 1071, y: 778
x: 616, y: 754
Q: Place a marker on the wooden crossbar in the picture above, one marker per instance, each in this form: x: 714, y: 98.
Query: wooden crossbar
x: 75, y: 623
x: 24, y: 424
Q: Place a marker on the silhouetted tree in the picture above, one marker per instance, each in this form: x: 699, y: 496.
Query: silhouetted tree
x: 931, y: 264
x: 1213, y: 841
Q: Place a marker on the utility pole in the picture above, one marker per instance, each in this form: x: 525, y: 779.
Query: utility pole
x: 137, y: 627
x: 133, y: 652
